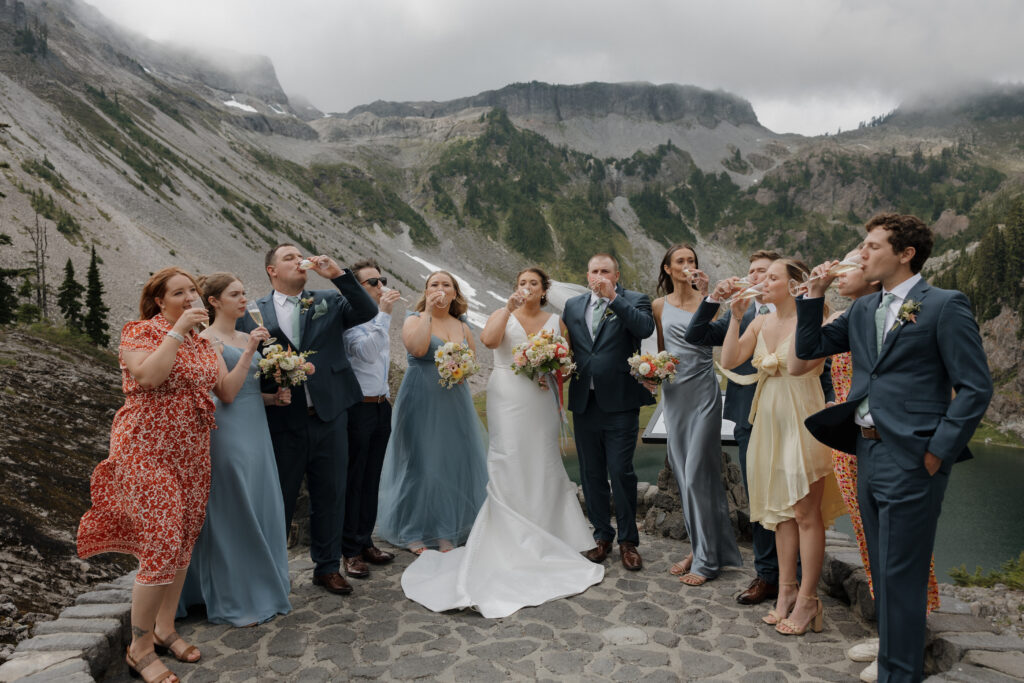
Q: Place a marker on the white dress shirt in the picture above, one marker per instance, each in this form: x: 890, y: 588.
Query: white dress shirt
x: 286, y: 312
x: 368, y: 347
x: 899, y: 293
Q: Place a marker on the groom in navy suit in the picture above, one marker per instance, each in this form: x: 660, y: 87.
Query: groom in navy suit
x: 920, y: 387
x: 606, y: 327
x: 310, y: 434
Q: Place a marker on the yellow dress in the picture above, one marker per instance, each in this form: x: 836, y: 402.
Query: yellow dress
x: 783, y: 459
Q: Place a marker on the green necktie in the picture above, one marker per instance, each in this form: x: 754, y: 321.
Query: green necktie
x: 598, y: 312
x: 880, y: 312
x: 296, y: 334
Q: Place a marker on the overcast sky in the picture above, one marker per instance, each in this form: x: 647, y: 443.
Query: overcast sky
x: 807, y: 66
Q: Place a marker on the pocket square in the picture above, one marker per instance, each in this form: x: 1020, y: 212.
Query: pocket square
x: 320, y: 309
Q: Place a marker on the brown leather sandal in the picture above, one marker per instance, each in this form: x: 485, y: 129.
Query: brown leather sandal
x: 135, y: 668
x: 164, y: 647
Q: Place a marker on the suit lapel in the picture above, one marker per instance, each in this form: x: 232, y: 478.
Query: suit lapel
x: 306, y: 319
x: 604, y: 316
x: 916, y: 293
x: 582, y: 337
x: 269, y: 312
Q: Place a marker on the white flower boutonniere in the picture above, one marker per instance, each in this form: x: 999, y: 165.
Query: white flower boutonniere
x: 907, y: 314
x: 304, y: 304
x: 320, y: 309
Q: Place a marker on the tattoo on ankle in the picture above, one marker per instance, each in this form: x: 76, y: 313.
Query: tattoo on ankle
x: 138, y: 631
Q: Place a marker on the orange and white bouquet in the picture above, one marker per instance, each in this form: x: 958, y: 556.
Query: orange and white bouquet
x: 286, y: 367
x: 653, y: 368
x: 455, y: 362
x: 545, y: 353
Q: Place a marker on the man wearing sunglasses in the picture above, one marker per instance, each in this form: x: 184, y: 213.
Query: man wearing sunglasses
x: 368, y: 347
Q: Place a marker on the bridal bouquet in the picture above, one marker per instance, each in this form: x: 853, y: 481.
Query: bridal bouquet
x: 545, y: 353
x: 455, y: 362
x: 654, y: 368
x: 286, y: 367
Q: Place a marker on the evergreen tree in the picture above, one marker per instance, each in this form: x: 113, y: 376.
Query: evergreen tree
x: 7, y: 293
x: 69, y: 298
x: 95, y: 321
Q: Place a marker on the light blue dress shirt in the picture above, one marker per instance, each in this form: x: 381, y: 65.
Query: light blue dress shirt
x: 368, y: 347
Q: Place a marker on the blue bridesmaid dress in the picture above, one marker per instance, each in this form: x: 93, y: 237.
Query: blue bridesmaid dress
x: 239, y: 566
x: 434, y: 478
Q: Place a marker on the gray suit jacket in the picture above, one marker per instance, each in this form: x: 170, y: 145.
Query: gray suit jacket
x: 911, y: 381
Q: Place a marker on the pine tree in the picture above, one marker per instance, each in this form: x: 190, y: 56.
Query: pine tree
x: 7, y: 293
x: 95, y: 321
x: 69, y: 298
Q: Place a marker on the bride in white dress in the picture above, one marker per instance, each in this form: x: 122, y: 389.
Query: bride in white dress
x: 525, y: 545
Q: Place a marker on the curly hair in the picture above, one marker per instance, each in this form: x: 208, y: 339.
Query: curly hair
x: 905, y: 231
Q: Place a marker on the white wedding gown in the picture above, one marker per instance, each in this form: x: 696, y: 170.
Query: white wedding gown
x: 525, y: 545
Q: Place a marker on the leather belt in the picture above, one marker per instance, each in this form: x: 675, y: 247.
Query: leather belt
x: 375, y: 399
x: 870, y: 433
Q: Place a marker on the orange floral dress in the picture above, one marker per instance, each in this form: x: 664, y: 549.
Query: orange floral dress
x: 149, y: 495
x: 845, y: 466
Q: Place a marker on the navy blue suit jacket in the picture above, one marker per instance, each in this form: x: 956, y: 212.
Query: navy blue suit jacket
x: 910, y: 382
x: 603, y: 359
x: 333, y: 387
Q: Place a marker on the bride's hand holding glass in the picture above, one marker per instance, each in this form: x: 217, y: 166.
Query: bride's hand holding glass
x: 516, y: 299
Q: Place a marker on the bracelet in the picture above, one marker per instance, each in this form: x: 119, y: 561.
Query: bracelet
x: 176, y: 335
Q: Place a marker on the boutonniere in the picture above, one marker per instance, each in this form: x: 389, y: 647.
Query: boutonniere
x: 304, y: 304
x: 608, y: 314
x: 908, y: 313
x: 320, y: 309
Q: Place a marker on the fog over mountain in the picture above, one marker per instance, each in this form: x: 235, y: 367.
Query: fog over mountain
x: 807, y: 67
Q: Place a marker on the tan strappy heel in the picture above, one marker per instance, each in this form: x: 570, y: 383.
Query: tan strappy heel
x: 773, y: 617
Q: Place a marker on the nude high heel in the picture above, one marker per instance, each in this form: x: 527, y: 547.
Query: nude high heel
x: 773, y: 617
x: 788, y: 628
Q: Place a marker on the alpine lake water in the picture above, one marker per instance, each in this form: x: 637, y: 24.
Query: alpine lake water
x: 981, y: 514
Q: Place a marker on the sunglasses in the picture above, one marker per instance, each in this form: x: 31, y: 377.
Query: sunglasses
x: 372, y: 281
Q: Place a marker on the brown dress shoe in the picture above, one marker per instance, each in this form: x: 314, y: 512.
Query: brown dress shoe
x: 332, y: 583
x: 758, y: 591
x: 631, y: 559
x: 356, y: 568
x: 598, y: 553
x: 377, y: 556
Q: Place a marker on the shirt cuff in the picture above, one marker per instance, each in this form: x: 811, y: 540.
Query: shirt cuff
x: 712, y: 300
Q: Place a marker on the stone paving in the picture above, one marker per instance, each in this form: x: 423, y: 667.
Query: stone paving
x: 643, y: 625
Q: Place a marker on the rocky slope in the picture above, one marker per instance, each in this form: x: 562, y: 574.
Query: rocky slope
x: 57, y: 402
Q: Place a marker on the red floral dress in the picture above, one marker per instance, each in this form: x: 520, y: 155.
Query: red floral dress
x: 845, y: 466
x: 149, y: 495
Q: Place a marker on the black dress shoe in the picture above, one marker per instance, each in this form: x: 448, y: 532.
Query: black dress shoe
x: 599, y: 553
x: 758, y: 591
x: 377, y: 556
x: 332, y: 583
x: 356, y: 568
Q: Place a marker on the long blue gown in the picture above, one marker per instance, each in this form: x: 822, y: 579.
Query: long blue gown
x: 435, y: 470
x: 693, y: 416
x: 239, y: 564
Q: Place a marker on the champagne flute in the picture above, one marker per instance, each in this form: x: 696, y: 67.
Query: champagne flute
x: 748, y: 293
x: 850, y: 263
x: 198, y: 305
x: 385, y: 288
x: 253, y: 309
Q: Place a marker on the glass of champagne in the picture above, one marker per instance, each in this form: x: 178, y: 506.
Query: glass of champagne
x: 253, y: 309
x: 748, y: 293
x: 850, y: 263
x: 198, y: 305
x: 385, y: 288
